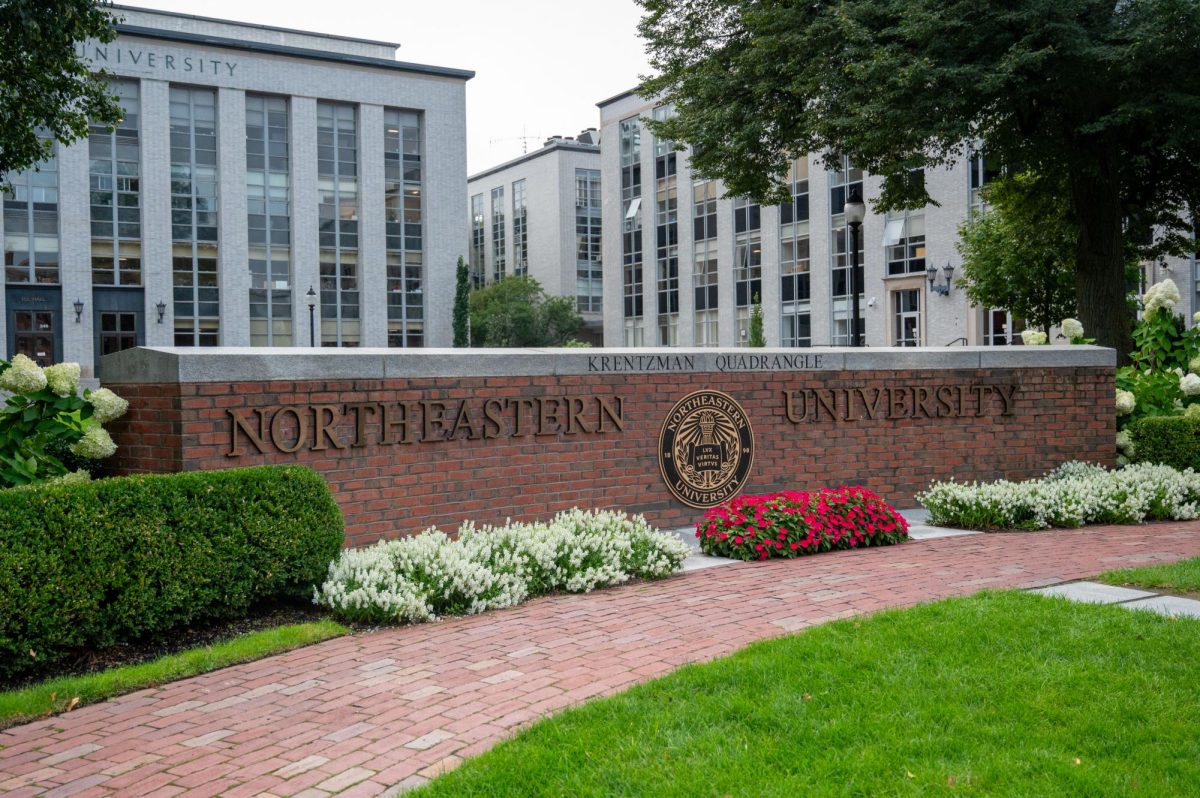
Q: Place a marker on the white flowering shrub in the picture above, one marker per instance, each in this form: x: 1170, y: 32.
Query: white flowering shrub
x: 1072, y: 495
x: 1163, y: 378
x: 45, y: 421
x: 430, y: 575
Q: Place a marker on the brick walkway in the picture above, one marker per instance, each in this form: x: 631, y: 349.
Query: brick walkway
x: 370, y: 713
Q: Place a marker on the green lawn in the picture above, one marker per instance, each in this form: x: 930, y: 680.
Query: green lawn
x: 1000, y: 694
x: 1179, y: 577
x: 57, y: 695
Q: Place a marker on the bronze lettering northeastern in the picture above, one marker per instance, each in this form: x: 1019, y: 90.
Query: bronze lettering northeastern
x: 705, y: 448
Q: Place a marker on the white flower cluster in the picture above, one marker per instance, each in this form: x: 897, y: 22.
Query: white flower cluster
x: 1073, y: 495
x: 22, y: 376
x: 1189, y: 384
x: 1071, y: 329
x: 1126, y: 401
x: 1160, y: 296
x: 1033, y: 337
x: 63, y: 378
x: 429, y: 575
x: 96, y: 443
x: 106, y: 405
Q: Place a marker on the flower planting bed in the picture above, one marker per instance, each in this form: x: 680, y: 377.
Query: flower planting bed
x: 794, y: 523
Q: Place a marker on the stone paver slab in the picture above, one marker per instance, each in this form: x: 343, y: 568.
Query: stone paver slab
x: 1168, y: 605
x: 1093, y: 592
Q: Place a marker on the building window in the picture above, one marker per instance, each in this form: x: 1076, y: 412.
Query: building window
x: 631, y: 229
x: 704, y: 210
x: 906, y: 307
x: 666, y: 235
x: 795, y: 263
x: 499, y: 247
x: 269, y: 220
x: 337, y: 186
x: 478, y: 243
x: 904, y: 243
x: 402, y: 175
x: 31, y: 225
x: 520, y: 229
x: 704, y: 292
x: 589, y: 273
x: 115, y: 186
x: 980, y: 175
x: 194, y: 216
x: 33, y: 336
x: 747, y: 262
x: 842, y: 181
x: 118, y: 332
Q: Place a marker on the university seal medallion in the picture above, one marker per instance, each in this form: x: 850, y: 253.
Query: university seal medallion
x: 706, y: 448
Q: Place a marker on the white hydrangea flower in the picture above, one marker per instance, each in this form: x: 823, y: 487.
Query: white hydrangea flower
x: 23, y: 376
x: 1160, y: 296
x: 1194, y: 364
x: 1125, y: 402
x: 1190, y: 385
x: 1196, y: 317
x: 72, y: 477
x: 1123, y: 440
x: 96, y: 444
x: 1071, y: 328
x: 63, y: 378
x: 1178, y: 372
x: 1192, y: 411
x: 1033, y: 337
x: 106, y: 405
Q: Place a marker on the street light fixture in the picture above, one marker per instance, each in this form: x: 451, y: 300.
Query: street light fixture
x: 855, y: 211
x: 932, y: 273
x: 310, y: 299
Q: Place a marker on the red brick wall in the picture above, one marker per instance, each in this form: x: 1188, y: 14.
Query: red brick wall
x: 404, y: 488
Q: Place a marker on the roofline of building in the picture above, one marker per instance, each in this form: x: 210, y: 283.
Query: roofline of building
x: 574, y: 146
x: 393, y: 45
x: 616, y: 97
x: 294, y: 52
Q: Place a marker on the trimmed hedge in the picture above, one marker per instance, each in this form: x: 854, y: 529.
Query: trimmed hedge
x: 85, y: 566
x: 1169, y: 440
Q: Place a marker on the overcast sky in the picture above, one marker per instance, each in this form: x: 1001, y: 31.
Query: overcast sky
x: 540, y: 65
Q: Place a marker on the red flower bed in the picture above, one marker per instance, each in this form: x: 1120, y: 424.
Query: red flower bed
x: 794, y: 523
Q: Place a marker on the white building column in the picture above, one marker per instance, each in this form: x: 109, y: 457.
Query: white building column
x: 233, y: 250
x: 372, y: 249
x: 305, y: 249
x: 75, y: 256
x: 727, y: 332
x: 155, y: 97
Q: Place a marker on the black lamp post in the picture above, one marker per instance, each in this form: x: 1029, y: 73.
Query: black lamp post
x: 855, y: 212
x: 310, y: 299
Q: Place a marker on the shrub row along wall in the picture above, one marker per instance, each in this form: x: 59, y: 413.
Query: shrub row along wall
x: 407, y: 440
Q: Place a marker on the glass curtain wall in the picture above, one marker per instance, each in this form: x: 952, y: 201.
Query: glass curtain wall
x: 337, y: 184
x: 194, y: 221
x: 403, y: 179
x: 269, y: 220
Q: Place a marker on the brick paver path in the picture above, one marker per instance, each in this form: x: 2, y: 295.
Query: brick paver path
x: 368, y: 713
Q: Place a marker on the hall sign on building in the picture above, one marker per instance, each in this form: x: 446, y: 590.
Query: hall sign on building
x: 413, y: 439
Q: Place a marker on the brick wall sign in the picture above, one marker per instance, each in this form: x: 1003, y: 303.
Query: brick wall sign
x: 418, y: 439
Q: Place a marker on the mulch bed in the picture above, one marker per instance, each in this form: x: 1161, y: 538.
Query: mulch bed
x: 175, y: 641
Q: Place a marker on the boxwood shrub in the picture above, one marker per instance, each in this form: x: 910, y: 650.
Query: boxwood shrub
x: 1167, y: 440
x: 86, y: 566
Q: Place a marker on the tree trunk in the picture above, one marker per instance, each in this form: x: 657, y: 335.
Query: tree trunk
x: 1100, y: 263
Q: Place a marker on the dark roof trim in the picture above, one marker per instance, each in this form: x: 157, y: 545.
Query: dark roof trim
x: 572, y: 146
x: 116, y: 7
x: 616, y: 97
x: 294, y: 52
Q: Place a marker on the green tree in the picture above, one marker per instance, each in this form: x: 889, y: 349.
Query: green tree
x: 756, y: 324
x: 462, y: 305
x: 1103, y: 92
x: 515, y: 311
x: 44, y: 85
x: 1020, y: 254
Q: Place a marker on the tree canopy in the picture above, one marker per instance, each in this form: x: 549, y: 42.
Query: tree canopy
x: 515, y: 311
x: 44, y: 86
x: 1103, y: 92
x: 1020, y: 254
